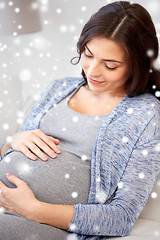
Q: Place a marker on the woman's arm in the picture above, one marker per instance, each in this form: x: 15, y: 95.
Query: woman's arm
x: 22, y: 201
x: 59, y: 216
x: 4, y: 149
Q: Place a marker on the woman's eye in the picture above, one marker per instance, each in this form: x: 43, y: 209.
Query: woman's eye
x: 89, y: 56
x: 111, y: 68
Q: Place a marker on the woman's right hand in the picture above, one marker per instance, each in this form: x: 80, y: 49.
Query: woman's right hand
x: 37, y: 142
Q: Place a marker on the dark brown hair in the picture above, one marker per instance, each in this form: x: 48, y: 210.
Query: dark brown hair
x: 131, y: 26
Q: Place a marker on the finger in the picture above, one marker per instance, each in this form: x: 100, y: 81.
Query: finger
x: 44, y: 136
x: 43, y: 146
x: 28, y: 153
x: 50, y: 141
x: 55, y: 140
x: 35, y: 149
x: 13, y: 179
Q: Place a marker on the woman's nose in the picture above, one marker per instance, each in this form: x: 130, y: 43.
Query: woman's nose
x: 94, y: 69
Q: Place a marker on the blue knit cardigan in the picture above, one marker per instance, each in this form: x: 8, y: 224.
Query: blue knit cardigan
x: 125, y: 161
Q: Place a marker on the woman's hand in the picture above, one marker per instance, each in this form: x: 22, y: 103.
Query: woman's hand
x: 35, y: 141
x: 20, y: 200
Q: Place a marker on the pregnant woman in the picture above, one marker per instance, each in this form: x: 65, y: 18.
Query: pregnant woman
x: 85, y: 160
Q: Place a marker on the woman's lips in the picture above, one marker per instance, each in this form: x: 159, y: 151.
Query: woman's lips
x: 94, y: 81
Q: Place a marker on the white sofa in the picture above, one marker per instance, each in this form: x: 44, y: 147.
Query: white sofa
x: 147, y: 226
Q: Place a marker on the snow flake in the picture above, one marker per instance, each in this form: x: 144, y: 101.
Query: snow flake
x: 67, y: 176
x: 6, y: 126
x: 17, y: 10
x: 154, y: 195
x: 84, y: 157
x: 75, y: 119
x: 17, y: 41
x: 20, y: 113
x: 83, y: 8
x: 48, y: 54
x: 5, y: 92
x: 36, y: 97
x: 2, y: 5
x: 2, y: 210
x: 150, y: 53
x: 130, y: 110
x: 157, y: 148
x: 40, y: 43
x: 59, y: 10
x: 145, y: 152
x: 19, y: 120
x: 19, y: 27
x: 120, y: 185
x: 54, y: 68
x: 154, y: 86
x: 10, y: 3
x: 27, y: 52
x: 72, y: 28
x: 1, y: 104
x: 96, y: 118
x: 101, y: 196
x: 63, y: 28
x: 157, y: 93
x: 72, y: 236
x: 96, y: 228
x: 157, y: 233
x: 98, y: 179
x: 73, y: 226
x: 125, y: 139
x: 9, y: 139
x: 158, y: 183
x: 25, y: 75
x: 156, y: 64
x: 81, y: 21
x: 15, y: 34
x: 45, y: 22
x: 7, y: 159
x: 74, y: 194
x: 141, y: 175
x: 64, y: 129
x: 34, y: 5
x: 4, y: 65
x: 24, y: 168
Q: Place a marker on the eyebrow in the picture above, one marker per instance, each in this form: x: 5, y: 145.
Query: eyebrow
x: 107, y: 60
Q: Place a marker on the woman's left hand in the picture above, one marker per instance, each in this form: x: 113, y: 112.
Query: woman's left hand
x: 20, y: 200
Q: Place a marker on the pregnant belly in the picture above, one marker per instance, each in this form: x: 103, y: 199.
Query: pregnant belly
x: 63, y: 180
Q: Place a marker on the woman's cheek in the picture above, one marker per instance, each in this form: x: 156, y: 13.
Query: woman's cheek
x: 84, y: 62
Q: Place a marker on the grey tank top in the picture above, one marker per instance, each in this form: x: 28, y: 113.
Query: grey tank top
x: 77, y: 133
x: 65, y: 179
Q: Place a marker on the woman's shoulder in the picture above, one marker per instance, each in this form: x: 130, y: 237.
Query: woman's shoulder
x: 144, y: 102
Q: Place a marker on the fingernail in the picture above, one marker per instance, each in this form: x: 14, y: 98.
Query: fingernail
x: 53, y: 155
x: 8, y: 174
x: 58, y: 151
x: 44, y: 157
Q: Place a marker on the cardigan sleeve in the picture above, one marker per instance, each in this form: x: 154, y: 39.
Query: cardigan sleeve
x: 118, y: 217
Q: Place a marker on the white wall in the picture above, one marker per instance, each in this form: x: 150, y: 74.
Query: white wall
x: 29, y: 62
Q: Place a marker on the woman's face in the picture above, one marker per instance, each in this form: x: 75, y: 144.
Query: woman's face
x: 104, y: 63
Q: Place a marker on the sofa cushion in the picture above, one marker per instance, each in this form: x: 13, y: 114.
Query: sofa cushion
x: 143, y: 230
x: 151, y: 210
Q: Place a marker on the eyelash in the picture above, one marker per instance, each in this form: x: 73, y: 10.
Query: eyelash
x: 111, y: 69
